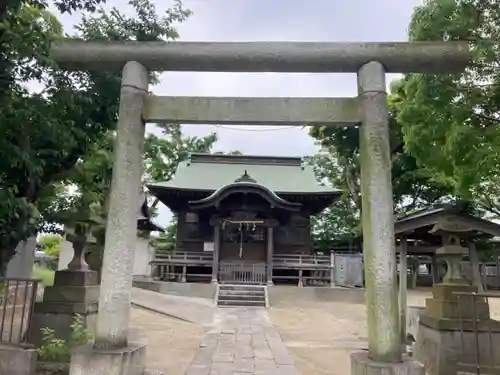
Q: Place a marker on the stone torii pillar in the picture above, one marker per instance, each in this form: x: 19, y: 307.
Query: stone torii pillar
x: 371, y: 61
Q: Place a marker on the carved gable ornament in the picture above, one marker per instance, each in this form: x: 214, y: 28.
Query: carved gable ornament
x: 451, y: 224
x: 245, y: 177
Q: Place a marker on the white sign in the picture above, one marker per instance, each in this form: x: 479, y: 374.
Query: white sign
x: 208, y: 246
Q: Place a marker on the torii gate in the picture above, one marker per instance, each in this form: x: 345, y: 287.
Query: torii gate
x: 371, y: 61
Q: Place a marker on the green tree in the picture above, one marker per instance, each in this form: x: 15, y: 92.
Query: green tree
x: 451, y: 122
x: 340, y: 222
x: 51, y: 244
x: 337, y: 164
x: 165, y: 242
x: 163, y: 154
x: 46, y: 133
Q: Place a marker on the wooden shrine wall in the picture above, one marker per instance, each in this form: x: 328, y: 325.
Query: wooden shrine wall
x: 293, y: 236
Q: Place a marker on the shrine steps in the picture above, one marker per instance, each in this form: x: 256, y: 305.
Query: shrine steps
x: 241, y: 296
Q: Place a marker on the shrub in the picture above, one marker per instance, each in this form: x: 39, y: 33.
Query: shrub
x: 54, y: 349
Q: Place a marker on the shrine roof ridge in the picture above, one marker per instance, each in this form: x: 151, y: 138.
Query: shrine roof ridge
x: 280, y: 174
x: 296, y: 161
x: 431, y: 215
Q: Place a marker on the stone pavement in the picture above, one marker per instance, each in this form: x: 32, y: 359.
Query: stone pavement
x: 242, y: 341
x: 195, y: 310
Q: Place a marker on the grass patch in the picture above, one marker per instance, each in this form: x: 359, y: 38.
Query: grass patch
x: 45, y: 274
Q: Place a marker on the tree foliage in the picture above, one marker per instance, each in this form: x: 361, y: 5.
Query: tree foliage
x: 451, y: 122
x: 50, y: 244
x: 163, y: 154
x: 337, y: 164
x: 46, y: 133
x: 165, y: 242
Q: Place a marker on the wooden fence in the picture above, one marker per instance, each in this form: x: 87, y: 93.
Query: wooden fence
x: 234, y: 272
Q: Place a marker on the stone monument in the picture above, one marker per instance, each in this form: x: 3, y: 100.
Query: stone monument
x: 75, y: 291
x: 446, y: 342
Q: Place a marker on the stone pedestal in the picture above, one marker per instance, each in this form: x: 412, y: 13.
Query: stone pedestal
x: 362, y: 365
x: 446, y: 341
x: 17, y: 361
x: 74, y: 292
x: 87, y: 360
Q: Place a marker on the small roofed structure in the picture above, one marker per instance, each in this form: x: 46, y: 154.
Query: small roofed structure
x: 446, y: 232
x: 243, y: 212
x: 418, y: 227
x: 425, y: 230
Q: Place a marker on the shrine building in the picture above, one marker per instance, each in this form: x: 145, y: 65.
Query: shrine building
x: 241, y: 219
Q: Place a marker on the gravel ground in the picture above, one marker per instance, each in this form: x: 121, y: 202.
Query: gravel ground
x: 171, y: 342
x: 321, y: 338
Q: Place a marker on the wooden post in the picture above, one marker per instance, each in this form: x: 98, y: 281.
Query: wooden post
x: 497, y: 259
x: 403, y: 288
x: 270, y: 251
x: 414, y: 276
x: 474, y: 265
x: 435, y: 269
x: 215, y: 254
x: 484, y: 277
x: 301, y: 282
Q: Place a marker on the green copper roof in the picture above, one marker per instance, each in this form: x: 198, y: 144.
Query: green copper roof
x: 279, y: 174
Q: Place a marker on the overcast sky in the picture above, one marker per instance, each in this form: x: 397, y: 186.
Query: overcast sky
x: 275, y: 20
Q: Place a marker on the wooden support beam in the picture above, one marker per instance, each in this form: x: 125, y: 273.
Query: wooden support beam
x: 435, y: 270
x: 314, y: 57
x: 403, y: 289
x: 251, y: 111
x: 477, y: 281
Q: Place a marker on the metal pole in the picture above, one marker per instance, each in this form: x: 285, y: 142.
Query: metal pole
x: 384, y: 339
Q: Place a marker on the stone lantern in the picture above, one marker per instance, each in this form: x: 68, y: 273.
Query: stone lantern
x: 455, y: 313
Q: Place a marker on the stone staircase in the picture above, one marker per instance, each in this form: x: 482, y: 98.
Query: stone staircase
x: 241, y: 295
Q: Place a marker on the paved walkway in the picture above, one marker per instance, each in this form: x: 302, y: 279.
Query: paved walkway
x: 242, y: 341
x: 196, y: 310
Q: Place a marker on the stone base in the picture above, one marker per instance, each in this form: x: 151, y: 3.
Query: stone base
x: 17, y: 361
x: 362, y: 365
x: 86, y: 360
x: 446, y: 352
x: 412, y: 320
x: 73, y: 292
x: 76, y: 278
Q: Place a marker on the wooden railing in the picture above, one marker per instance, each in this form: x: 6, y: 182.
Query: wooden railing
x: 185, y: 257
x: 279, y: 261
x: 300, y: 261
x: 310, y: 269
x: 234, y: 272
x: 164, y: 266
